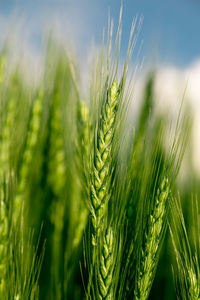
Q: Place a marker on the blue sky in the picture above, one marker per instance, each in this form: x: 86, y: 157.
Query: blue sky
x: 170, y: 29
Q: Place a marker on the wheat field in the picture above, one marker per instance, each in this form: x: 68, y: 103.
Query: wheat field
x: 90, y: 202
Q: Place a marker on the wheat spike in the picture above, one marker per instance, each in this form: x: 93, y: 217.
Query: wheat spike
x: 3, y: 245
x: 194, y: 288
x: 56, y: 164
x: 56, y: 176
x: 84, y: 130
x: 57, y: 181
x: 4, y: 178
x: 186, y: 253
x: 105, y: 272
x: 152, y: 242
x: 32, y: 138
x: 100, y: 185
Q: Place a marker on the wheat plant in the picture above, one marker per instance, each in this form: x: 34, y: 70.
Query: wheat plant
x: 86, y: 190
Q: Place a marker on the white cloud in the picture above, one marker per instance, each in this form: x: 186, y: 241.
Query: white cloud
x: 174, y: 85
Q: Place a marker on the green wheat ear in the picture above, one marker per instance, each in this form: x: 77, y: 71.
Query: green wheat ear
x: 187, y: 249
x: 56, y: 175
x: 31, y: 142
x: 84, y: 132
x: 3, y: 246
x: 102, y: 168
x: 153, y: 238
x: 194, y: 285
x: 4, y: 179
x: 56, y: 180
x: 85, y: 127
x: 106, y: 267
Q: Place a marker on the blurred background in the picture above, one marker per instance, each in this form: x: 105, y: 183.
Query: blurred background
x: 168, y: 42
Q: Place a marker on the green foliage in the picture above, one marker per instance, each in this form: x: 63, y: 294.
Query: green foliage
x: 84, y: 192
x: 186, y: 251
